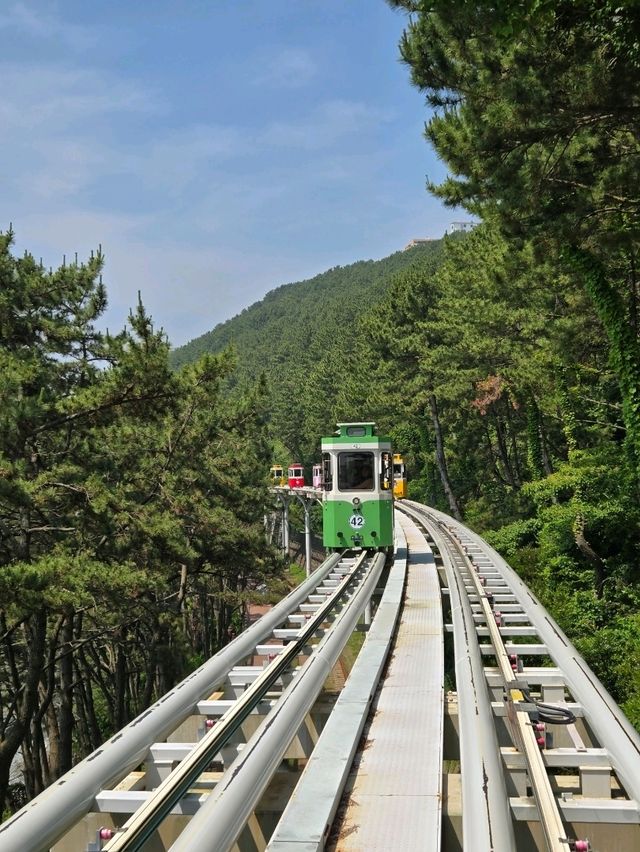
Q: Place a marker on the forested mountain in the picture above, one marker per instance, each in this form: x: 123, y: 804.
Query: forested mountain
x: 301, y: 315
x: 302, y: 337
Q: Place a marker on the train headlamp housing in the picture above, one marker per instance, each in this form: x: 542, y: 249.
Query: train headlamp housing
x: 356, y: 501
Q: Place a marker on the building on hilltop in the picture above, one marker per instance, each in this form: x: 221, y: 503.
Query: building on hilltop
x: 418, y: 242
x: 454, y: 227
x: 461, y: 226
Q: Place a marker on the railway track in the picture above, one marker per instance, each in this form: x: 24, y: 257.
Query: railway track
x: 250, y: 752
x: 548, y: 760
x: 296, y: 645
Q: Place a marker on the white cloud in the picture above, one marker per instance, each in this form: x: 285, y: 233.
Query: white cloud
x: 50, y: 120
x: 289, y: 69
x: 187, y: 156
x: 60, y: 168
x: 24, y: 20
x: 224, y: 213
x: 325, y: 125
x: 54, y: 98
x: 188, y: 289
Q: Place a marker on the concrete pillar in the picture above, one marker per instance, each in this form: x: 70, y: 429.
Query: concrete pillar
x: 307, y: 536
x: 285, y: 529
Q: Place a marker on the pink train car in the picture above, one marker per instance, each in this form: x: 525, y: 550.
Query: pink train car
x: 317, y: 476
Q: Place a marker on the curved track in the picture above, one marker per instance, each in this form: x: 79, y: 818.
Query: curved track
x: 567, y: 761
x: 253, y: 752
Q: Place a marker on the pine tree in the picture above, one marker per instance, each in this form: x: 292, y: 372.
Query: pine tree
x: 536, y: 116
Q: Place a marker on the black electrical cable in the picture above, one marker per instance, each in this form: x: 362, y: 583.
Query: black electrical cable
x: 553, y: 714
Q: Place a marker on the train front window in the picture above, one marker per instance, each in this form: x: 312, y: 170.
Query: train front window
x: 356, y: 472
x: 356, y: 431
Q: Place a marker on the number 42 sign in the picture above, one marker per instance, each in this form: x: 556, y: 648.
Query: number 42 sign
x: 356, y: 522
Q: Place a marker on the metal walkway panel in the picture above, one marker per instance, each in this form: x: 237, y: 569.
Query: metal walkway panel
x: 396, y: 784
x: 307, y: 818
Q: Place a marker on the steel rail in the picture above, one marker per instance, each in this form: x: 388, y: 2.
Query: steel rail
x: 606, y: 720
x: 486, y: 815
x: 309, y: 813
x: 219, y: 821
x: 46, y: 818
x: 137, y: 830
x: 603, y: 716
x: 523, y: 733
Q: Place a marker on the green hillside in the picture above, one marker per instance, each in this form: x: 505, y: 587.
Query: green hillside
x: 301, y: 337
x: 300, y: 320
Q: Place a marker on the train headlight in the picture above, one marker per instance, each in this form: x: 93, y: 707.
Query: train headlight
x: 356, y: 501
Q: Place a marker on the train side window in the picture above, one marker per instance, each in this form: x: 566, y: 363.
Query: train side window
x: 386, y: 474
x: 327, y: 478
x: 356, y: 472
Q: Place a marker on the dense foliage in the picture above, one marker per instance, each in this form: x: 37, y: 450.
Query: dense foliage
x: 506, y: 364
x: 536, y: 113
x: 131, y: 519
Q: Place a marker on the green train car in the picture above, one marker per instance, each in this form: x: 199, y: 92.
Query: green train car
x: 357, y: 477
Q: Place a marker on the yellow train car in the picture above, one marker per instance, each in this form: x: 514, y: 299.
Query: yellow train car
x: 277, y: 475
x: 399, y: 477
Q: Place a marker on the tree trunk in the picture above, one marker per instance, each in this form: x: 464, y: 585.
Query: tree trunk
x: 595, y: 561
x: 517, y: 467
x: 53, y: 742
x: 85, y: 681
x: 120, y: 683
x: 546, y: 458
x: 534, y: 450
x: 182, y: 597
x: 102, y: 675
x: 206, y: 625
x: 41, y: 762
x: 441, y: 460
x: 503, y: 452
x: 66, y: 720
x: 35, y: 642
x: 28, y: 746
x: 151, y: 669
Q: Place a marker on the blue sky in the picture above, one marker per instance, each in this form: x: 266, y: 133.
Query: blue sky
x: 215, y: 148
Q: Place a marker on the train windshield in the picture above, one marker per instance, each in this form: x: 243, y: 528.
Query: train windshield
x: 356, y: 472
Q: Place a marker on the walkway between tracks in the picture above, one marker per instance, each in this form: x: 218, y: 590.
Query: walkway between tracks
x: 395, y: 787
